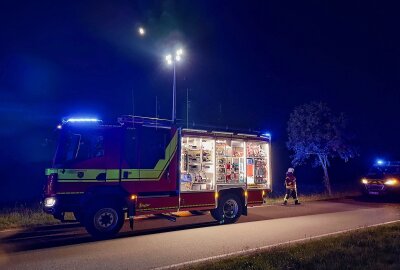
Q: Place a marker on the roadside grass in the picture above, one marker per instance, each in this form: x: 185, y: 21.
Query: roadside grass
x: 371, y: 248
x: 277, y: 199
x: 24, y: 216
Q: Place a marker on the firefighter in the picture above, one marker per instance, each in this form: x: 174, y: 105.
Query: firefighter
x: 291, y: 188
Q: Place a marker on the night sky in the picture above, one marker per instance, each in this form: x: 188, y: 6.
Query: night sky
x: 247, y: 64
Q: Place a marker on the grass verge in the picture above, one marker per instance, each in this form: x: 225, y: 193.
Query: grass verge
x: 24, y: 216
x: 32, y: 215
x: 273, y: 199
x: 371, y: 248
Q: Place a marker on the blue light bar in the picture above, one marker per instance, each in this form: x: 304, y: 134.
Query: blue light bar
x: 267, y: 134
x: 379, y: 162
x: 82, y: 120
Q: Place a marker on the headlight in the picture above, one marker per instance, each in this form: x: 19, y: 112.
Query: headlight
x: 49, y: 202
x: 364, y: 181
x: 391, y: 182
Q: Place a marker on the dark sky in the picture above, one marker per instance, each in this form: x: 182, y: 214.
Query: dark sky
x: 247, y: 64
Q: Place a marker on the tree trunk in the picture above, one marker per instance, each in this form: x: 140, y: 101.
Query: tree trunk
x: 324, y: 164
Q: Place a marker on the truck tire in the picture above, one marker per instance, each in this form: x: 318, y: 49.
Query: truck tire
x: 104, y: 220
x: 229, y: 209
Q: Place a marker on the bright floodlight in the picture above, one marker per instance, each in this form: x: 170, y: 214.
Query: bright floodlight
x: 168, y: 58
x: 141, y: 31
x: 176, y: 58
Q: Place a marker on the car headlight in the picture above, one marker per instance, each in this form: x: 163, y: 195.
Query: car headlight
x: 49, y: 202
x: 391, y: 182
x: 364, y: 181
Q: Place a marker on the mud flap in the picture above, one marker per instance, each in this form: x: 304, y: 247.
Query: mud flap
x: 131, y: 213
x: 244, y: 211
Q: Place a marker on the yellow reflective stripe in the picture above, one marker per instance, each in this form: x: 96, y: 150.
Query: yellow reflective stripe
x: 156, y: 173
x: 73, y: 174
x: 153, y: 174
x: 147, y: 174
x: 161, y: 164
x: 132, y: 173
x: 79, y: 180
x: 50, y: 171
x: 112, y: 174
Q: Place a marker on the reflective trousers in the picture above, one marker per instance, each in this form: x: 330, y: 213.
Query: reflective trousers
x: 291, y: 193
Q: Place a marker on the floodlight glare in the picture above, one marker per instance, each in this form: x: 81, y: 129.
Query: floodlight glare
x: 172, y: 60
x: 364, y: 181
x: 391, y: 182
x: 141, y: 31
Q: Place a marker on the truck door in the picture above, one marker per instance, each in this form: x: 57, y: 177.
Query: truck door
x: 87, y: 157
x: 150, y: 168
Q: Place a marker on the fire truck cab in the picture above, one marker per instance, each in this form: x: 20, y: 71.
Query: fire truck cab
x: 141, y: 166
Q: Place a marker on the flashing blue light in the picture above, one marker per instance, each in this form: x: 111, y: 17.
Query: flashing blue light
x: 82, y: 120
x: 379, y: 162
x: 266, y: 134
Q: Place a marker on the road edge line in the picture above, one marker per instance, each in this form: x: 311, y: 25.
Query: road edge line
x: 253, y: 250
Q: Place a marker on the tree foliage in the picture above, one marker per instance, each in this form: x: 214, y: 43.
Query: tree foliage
x: 317, y: 134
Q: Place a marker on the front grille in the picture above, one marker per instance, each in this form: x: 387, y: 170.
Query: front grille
x: 375, y: 187
x: 375, y: 181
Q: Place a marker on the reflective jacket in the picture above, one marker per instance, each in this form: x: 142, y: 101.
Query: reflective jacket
x: 290, y: 181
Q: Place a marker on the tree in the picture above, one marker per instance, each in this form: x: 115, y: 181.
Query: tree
x: 317, y: 134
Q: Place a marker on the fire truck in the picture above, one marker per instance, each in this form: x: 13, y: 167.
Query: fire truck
x: 104, y: 174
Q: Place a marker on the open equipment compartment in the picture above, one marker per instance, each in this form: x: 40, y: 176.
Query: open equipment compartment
x: 213, y: 159
x: 197, y: 164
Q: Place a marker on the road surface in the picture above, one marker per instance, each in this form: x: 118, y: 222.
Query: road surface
x: 161, y: 243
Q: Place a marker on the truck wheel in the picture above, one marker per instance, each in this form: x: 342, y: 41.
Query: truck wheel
x: 229, y: 209
x: 104, y: 220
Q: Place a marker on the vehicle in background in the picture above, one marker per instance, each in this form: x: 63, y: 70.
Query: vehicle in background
x: 144, y: 166
x: 382, y: 179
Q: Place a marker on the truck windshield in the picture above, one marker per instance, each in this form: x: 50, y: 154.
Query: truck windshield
x: 79, y: 146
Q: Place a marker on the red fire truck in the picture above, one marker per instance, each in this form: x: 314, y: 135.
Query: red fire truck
x: 142, y: 166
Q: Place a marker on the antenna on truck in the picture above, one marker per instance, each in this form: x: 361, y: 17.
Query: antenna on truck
x: 133, y: 109
x: 156, y: 110
x: 187, y: 107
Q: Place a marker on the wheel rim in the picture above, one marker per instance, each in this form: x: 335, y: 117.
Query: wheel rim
x: 231, y: 208
x: 106, y: 219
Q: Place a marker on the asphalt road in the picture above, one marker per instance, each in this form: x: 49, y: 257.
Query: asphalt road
x: 160, y: 243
